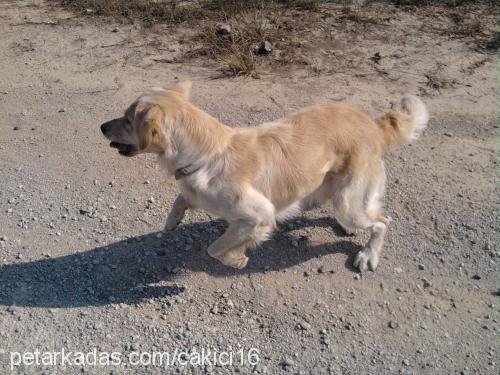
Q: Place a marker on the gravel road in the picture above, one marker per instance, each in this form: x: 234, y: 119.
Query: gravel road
x: 84, y: 266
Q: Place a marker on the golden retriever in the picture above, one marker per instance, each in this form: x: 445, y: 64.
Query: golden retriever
x: 255, y: 176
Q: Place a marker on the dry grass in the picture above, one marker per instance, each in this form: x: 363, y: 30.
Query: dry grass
x: 288, y: 24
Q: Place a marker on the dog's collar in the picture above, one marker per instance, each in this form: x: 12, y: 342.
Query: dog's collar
x: 185, y: 171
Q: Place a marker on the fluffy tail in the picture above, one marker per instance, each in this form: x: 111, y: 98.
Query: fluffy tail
x: 406, y: 123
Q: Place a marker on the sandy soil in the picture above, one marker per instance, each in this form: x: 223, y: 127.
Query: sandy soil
x: 82, y: 262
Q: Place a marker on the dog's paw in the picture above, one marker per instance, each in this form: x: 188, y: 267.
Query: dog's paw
x: 234, y: 259
x: 169, y: 230
x: 172, y: 223
x: 366, y: 259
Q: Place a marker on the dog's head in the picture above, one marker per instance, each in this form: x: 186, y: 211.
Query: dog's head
x: 142, y: 128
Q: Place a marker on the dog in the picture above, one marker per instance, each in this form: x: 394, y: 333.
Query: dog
x: 254, y: 177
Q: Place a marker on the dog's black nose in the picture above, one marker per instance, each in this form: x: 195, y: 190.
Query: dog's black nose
x: 104, y: 127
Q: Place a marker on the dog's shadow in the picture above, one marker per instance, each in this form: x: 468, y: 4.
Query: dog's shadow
x: 126, y: 271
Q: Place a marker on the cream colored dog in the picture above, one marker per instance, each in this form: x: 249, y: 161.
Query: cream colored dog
x: 253, y: 177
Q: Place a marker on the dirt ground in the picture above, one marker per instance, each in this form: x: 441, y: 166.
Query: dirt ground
x: 83, y: 264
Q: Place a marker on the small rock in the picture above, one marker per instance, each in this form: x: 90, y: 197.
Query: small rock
x: 398, y: 270
x: 376, y: 58
x: 265, y: 48
x: 448, y: 135
x: 287, y: 362
x: 16, y: 128
x: 62, y: 110
x: 321, y: 269
x: 115, y: 30
x: 421, y: 267
x: 393, y: 324
x: 223, y: 29
x: 357, y: 277
x: 151, y: 200
x: 303, y: 325
x: 476, y: 277
x: 295, y: 243
x: 406, y: 362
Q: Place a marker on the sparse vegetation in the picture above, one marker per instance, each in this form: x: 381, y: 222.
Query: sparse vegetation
x: 289, y: 25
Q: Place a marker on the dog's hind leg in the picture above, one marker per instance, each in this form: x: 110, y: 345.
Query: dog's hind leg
x: 176, y: 214
x: 369, y: 256
x: 358, y: 207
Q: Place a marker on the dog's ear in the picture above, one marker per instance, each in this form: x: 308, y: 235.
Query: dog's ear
x: 183, y: 88
x: 149, y: 126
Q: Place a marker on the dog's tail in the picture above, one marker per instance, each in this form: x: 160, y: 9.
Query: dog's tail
x: 406, y: 123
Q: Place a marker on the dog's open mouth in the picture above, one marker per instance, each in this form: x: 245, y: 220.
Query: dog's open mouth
x: 123, y: 148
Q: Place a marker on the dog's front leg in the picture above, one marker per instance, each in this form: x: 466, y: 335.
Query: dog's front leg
x: 176, y: 214
x: 230, y: 247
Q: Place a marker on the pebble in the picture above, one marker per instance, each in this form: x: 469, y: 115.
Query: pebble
x: 321, y: 269
x: 406, y: 362
x: 62, y: 110
x: 304, y: 325
x: 264, y: 48
x: 16, y: 128
x: 398, y: 270
x: 421, y: 267
x: 287, y: 362
x: 223, y: 29
x: 115, y: 30
x: 393, y: 324
x: 151, y: 200
x: 356, y: 276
